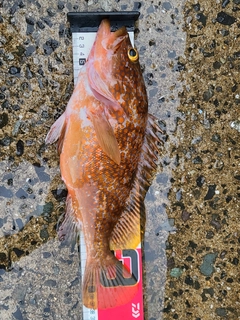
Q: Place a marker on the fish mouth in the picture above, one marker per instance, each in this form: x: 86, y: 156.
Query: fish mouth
x: 112, y: 39
x: 120, y: 32
x: 105, y: 28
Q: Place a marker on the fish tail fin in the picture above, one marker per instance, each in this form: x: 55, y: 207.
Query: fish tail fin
x: 107, y: 283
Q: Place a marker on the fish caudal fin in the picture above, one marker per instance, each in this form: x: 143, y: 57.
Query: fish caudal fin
x: 107, y: 284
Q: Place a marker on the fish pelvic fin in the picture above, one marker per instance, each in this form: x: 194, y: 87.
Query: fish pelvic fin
x: 105, y: 135
x: 107, y: 283
x: 126, y: 233
x: 71, y: 225
x: 57, y: 132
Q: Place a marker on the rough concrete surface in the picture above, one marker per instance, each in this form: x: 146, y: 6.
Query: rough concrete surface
x: 189, y: 52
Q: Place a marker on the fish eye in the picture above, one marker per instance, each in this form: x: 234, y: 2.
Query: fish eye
x: 133, y: 55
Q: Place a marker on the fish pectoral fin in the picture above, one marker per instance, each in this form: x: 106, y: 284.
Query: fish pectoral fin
x: 105, y: 135
x: 126, y: 233
x: 107, y: 283
x: 56, y: 131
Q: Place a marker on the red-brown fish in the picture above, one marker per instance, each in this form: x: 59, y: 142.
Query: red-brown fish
x: 108, y: 144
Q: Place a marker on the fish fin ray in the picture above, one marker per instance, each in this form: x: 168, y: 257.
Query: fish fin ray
x: 104, y: 284
x: 70, y: 227
x: 126, y: 233
x: 105, y: 135
x: 56, y: 131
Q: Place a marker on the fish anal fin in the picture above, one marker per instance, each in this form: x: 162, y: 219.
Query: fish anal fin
x: 56, y: 131
x: 127, y: 232
x: 105, y: 135
x: 107, y: 284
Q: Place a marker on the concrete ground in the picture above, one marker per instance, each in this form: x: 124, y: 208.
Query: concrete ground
x: 189, y: 52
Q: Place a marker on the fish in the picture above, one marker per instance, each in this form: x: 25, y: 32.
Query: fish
x: 108, y: 145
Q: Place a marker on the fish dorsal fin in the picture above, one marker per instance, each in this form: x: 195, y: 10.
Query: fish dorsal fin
x: 57, y: 132
x: 126, y: 233
x: 105, y: 135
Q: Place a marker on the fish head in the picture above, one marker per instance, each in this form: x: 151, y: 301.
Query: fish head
x: 105, y: 47
x: 114, y: 70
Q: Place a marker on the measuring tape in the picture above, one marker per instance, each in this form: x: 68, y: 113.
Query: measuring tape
x: 84, y: 26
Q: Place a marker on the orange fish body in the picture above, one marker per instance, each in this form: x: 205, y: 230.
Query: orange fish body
x: 107, y: 145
